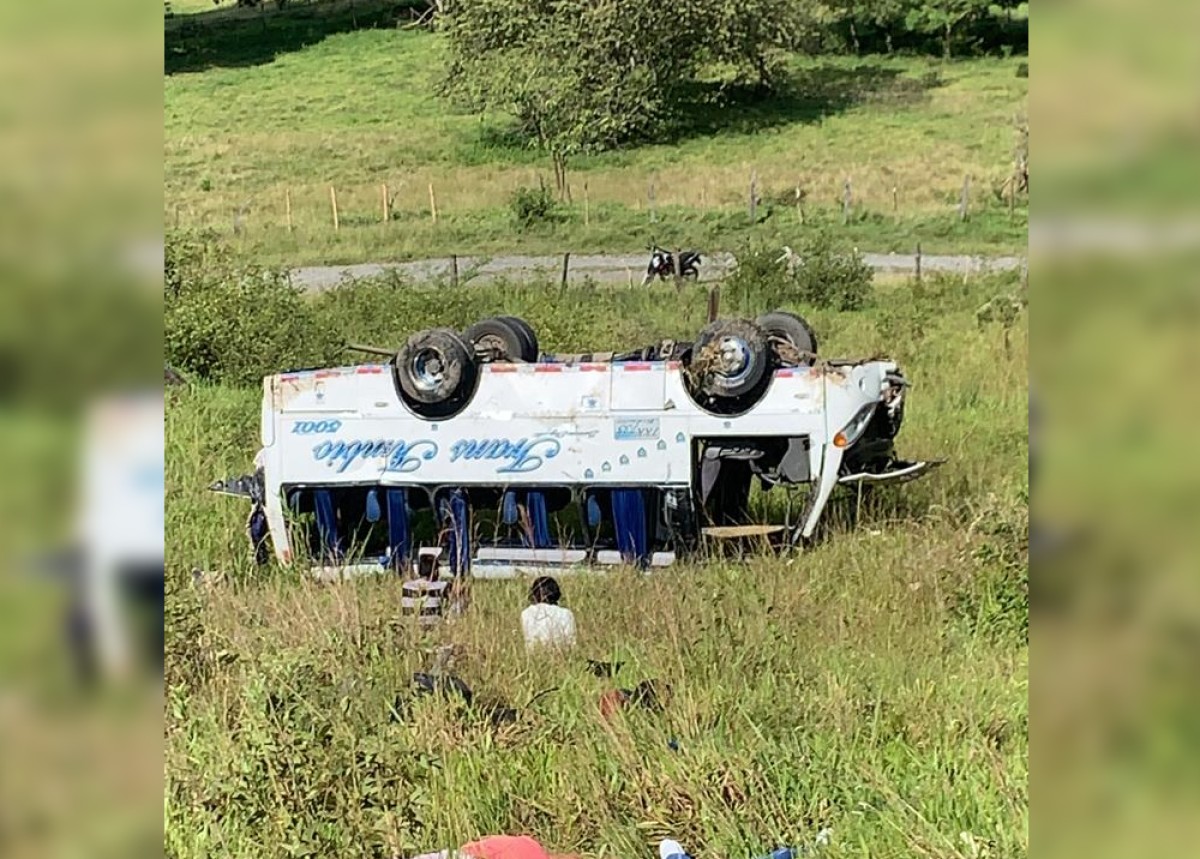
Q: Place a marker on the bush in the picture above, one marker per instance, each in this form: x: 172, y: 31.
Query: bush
x: 533, y: 206
x: 824, y: 276
x: 231, y: 321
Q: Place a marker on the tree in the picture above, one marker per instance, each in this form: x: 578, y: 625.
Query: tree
x: 583, y: 75
x: 944, y: 18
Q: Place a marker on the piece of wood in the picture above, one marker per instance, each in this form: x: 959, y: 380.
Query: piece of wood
x: 964, y: 200
x: 566, y: 268
x: 387, y: 215
x: 587, y: 207
x: 334, y: 206
x: 714, y: 302
x: 733, y: 532
x: 287, y: 207
x: 753, y: 196
x: 895, y: 200
x: 454, y: 269
x: 650, y: 202
x: 432, y: 203
x: 847, y: 200
x: 918, y: 262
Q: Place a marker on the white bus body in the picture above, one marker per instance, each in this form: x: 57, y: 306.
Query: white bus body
x: 583, y: 429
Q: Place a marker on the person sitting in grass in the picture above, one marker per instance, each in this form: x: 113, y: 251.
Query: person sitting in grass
x: 544, y: 622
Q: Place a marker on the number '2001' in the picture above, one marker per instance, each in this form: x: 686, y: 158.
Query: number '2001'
x: 316, y: 427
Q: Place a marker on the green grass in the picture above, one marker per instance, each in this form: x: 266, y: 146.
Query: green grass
x: 876, y: 684
x: 358, y: 110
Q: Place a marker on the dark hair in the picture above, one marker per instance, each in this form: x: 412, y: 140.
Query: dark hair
x: 427, y: 567
x: 545, y: 590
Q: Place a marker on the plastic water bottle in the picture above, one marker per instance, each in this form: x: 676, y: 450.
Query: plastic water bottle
x: 669, y: 849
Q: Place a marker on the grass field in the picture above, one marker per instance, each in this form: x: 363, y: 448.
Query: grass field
x: 875, y: 685
x: 358, y: 110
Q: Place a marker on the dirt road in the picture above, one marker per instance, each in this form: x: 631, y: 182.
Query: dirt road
x: 609, y: 268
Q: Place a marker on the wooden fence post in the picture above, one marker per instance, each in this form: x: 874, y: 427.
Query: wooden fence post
x: 587, y: 206
x: 454, y: 269
x: 650, y: 202
x: 895, y: 200
x: 800, y: 205
x: 678, y: 267
x: 918, y: 261
x: 847, y: 201
x: 333, y: 204
x: 753, y: 196
x: 287, y: 207
x: 964, y: 200
x: 714, y: 302
x: 566, y: 267
x: 432, y: 203
x: 387, y: 215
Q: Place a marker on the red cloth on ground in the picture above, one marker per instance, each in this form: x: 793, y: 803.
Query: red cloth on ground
x: 505, y: 847
x: 612, y: 701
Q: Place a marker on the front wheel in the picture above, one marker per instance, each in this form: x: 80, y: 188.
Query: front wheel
x: 729, y: 366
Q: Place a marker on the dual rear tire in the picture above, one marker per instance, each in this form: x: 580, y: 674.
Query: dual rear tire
x: 436, y: 370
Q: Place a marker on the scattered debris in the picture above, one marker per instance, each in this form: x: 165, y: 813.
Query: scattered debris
x: 649, y: 695
x: 604, y: 669
x: 208, y: 578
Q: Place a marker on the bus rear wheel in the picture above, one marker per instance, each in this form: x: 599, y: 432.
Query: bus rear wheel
x: 435, y: 371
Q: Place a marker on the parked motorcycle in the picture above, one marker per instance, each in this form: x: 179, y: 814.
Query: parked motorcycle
x: 662, y: 265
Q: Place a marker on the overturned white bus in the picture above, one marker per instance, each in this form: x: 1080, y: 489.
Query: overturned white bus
x: 513, y: 460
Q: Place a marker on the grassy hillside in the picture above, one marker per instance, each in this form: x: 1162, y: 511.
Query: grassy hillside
x: 876, y: 685
x: 358, y: 110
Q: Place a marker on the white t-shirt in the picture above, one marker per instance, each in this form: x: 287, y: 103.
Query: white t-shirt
x: 545, y: 624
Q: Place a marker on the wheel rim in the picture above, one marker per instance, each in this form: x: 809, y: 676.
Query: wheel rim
x: 735, y: 359
x: 428, y: 369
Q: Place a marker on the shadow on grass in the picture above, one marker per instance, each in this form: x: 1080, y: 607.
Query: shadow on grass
x: 809, y: 95
x: 232, y: 37
x: 713, y: 108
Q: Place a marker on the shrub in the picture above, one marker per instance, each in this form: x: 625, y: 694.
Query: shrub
x: 533, y: 206
x: 823, y: 276
x: 232, y: 321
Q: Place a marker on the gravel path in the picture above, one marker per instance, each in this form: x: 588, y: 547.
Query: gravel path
x: 610, y: 268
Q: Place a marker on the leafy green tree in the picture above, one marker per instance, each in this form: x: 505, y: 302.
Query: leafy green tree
x: 581, y: 75
x: 944, y: 18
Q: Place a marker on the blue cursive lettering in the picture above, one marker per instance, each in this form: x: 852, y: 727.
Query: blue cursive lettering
x: 519, y: 456
x: 398, y: 455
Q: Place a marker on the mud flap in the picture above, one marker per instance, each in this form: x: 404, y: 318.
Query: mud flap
x: 260, y: 534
